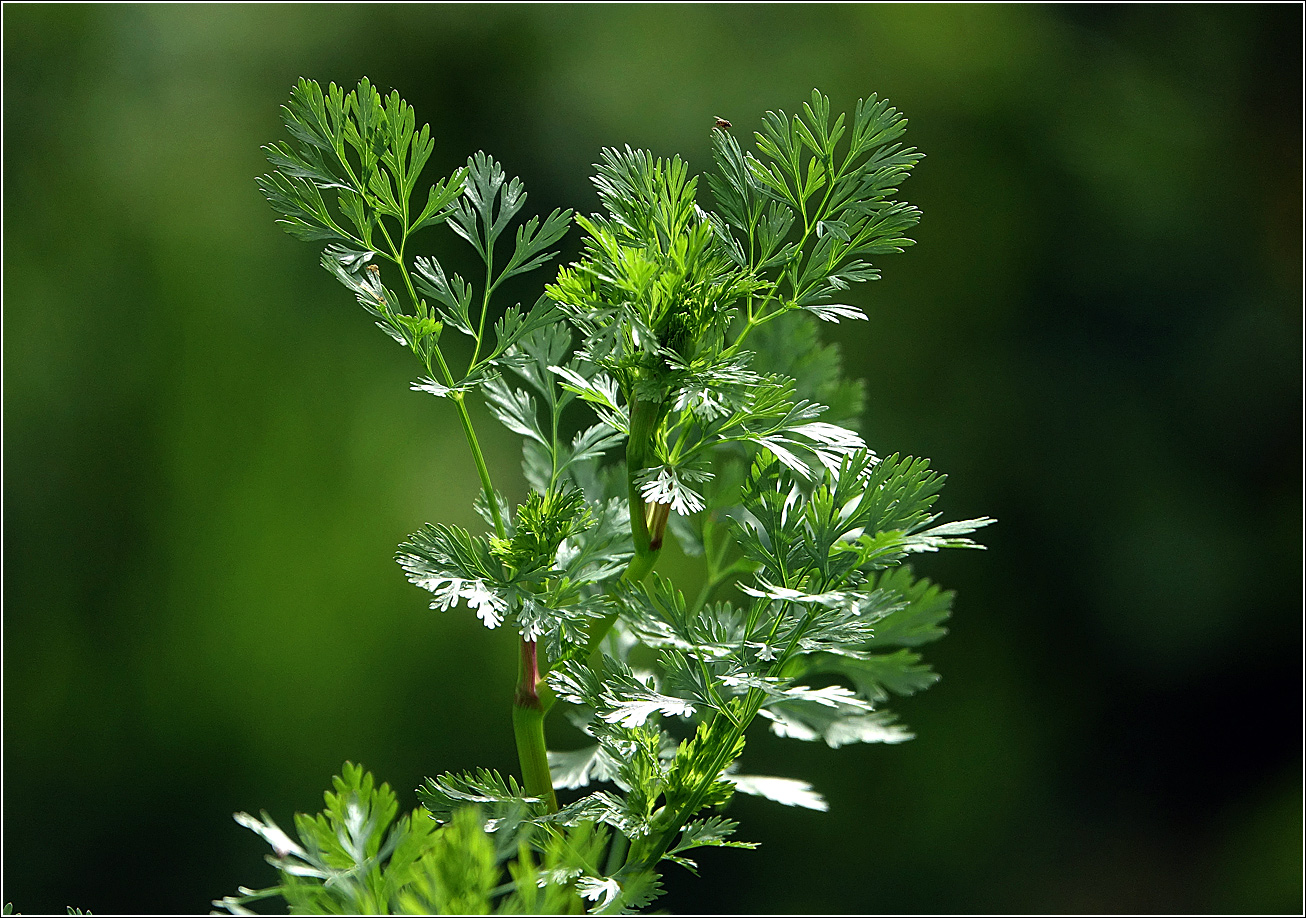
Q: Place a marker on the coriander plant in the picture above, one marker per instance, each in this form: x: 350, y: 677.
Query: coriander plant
x: 715, y: 418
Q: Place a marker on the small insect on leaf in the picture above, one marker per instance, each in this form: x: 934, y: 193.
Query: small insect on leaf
x: 721, y: 123
x: 374, y: 271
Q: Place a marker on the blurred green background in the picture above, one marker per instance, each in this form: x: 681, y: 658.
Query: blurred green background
x: 210, y: 454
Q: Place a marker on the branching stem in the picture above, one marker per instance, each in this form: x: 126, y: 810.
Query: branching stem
x: 527, y: 712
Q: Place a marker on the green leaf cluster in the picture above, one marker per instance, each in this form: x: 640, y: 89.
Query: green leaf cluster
x: 546, y: 575
x: 362, y: 151
x: 803, y: 177
x: 359, y: 857
x: 349, y: 177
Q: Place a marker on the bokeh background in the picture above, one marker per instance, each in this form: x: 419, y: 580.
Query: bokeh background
x: 210, y: 454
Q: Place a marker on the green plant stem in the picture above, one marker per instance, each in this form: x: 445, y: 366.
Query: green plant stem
x: 397, y: 254
x: 527, y: 712
x: 481, y: 468
x: 617, y: 854
x: 644, y: 419
x: 528, y: 728
x: 485, y: 304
